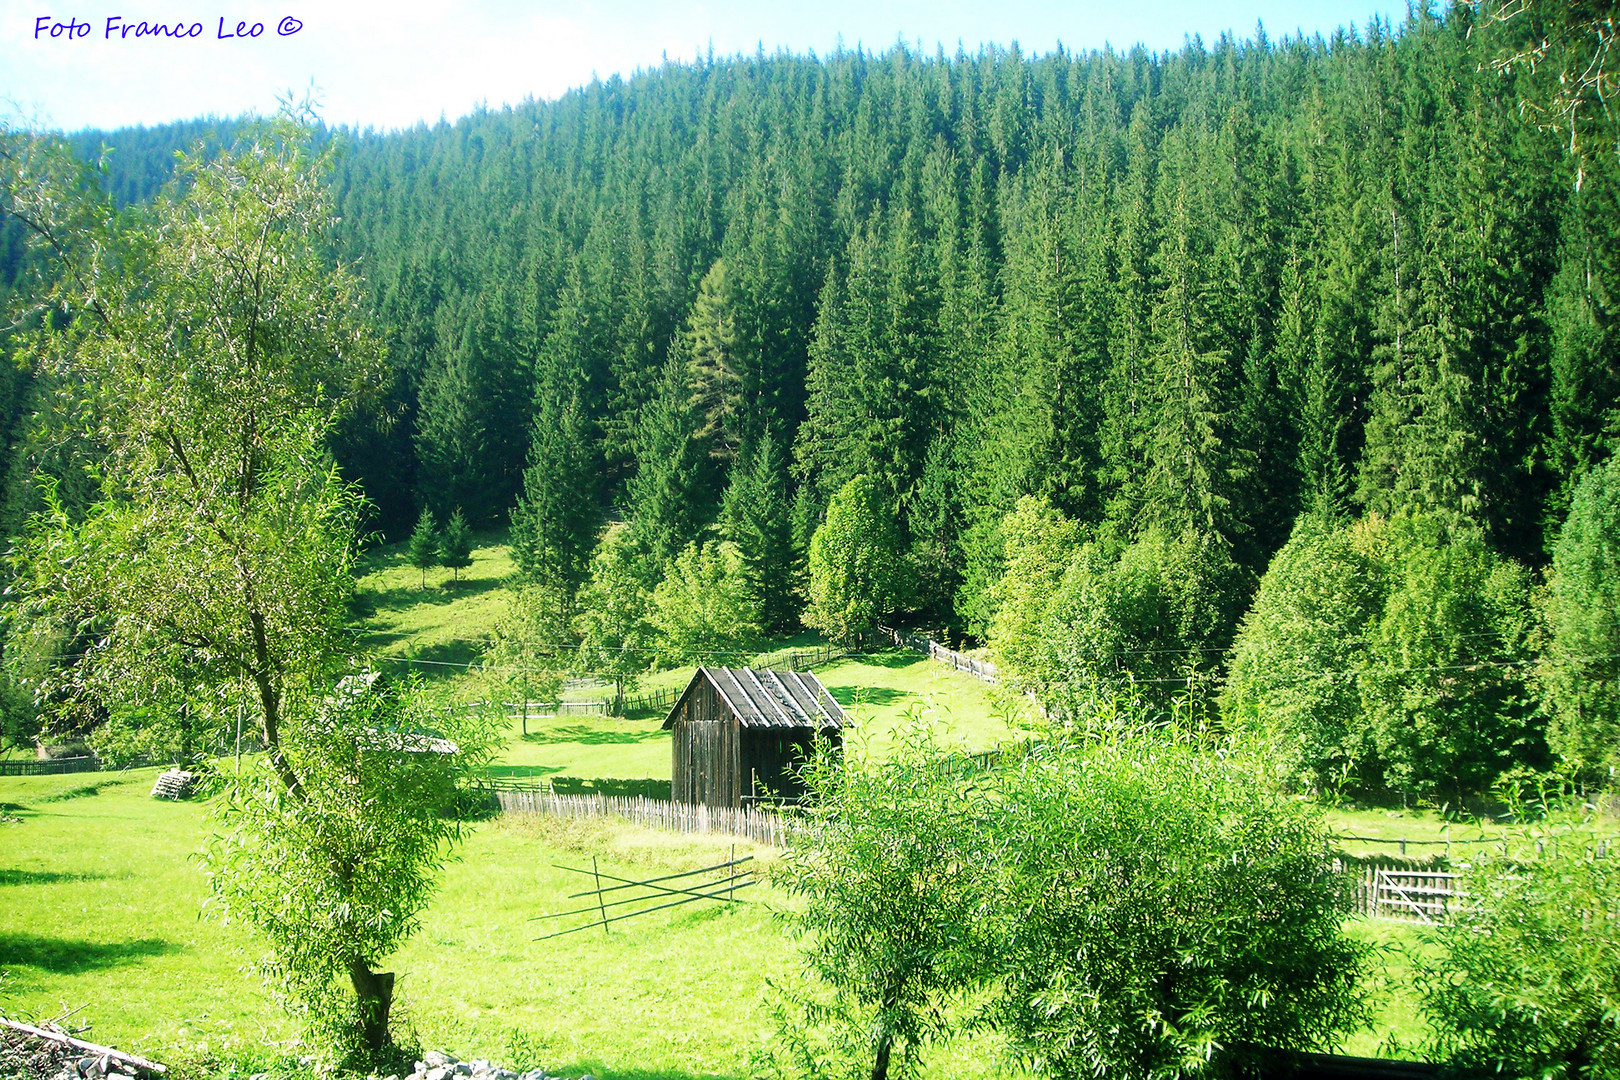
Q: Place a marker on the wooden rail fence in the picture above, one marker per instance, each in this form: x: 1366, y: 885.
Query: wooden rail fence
x: 752, y: 823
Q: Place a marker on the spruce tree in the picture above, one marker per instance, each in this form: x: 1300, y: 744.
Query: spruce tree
x: 756, y: 516
x: 423, y: 550
x: 455, y: 547
x: 555, y: 521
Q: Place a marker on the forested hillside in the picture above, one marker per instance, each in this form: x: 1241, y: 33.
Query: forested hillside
x: 1098, y: 329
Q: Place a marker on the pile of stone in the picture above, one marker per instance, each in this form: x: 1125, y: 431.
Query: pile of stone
x: 437, y: 1065
x: 30, y: 1057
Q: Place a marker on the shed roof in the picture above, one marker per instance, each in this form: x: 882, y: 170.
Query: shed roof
x: 769, y: 699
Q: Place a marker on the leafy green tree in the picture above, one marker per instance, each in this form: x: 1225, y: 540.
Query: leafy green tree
x: 1039, y: 544
x: 423, y: 548
x: 341, y: 877
x: 898, y: 889
x: 1580, y: 665
x: 1149, y: 623
x: 1172, y: 910
x: 1291, y: 685
x: 1390, y: 652
x: 854, y: 563
x: 218, y: 345
x: 616, y: 640
x: 1444, y: 689
x: 704, y: 608
x: 455, y: 546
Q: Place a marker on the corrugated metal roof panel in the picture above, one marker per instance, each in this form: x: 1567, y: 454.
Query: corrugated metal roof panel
x: 770, y: 699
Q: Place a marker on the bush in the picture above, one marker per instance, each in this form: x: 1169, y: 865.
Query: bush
x: 1526, y: 980
x: 895, y: 874
x: 1167, y: 911
x: 1133, y: 907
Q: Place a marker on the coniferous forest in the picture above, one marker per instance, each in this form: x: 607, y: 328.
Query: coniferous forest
x: 1273, y: 379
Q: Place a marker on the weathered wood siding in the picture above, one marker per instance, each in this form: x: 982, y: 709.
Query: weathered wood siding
x: 704, y: 743
x: 717, y: 762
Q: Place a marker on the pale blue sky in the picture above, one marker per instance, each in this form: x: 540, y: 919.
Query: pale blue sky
x: 389, y: 64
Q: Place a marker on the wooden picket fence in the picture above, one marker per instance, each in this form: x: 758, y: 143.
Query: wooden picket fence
x: 51, y: 766
x: 749, y: 822
x: 906, y: 639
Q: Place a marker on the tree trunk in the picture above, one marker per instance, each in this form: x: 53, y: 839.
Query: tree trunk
x: 880, y: 1067
x: 375, y: 991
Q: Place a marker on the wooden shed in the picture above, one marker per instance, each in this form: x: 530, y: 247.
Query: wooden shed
x: 740, y: 735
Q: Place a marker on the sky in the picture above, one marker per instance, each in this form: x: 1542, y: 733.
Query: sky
x: 382, y: 64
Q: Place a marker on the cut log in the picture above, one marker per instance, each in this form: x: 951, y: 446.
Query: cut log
x: 87, y: 1047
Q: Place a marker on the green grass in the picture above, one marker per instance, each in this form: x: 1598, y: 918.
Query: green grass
x: 99, y: 907
x: 881, y: 690
x: 436, y: 630
x: 1397, y: 1028
x: 99, y: 903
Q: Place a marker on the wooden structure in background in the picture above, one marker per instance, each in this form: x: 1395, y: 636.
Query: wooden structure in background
x: 739, y: 736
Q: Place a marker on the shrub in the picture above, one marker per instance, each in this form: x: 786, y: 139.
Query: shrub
x: 1526, y: 980
x: 1167, y: 911
x: 895, y: 876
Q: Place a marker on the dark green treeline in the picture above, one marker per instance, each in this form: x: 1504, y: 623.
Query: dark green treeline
x: 1200, y: 291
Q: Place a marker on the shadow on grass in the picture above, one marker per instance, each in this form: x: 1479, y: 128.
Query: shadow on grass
x: 867, y: 695
x: 892, y: 658
x: 66, y: 956
x: 369, y: 602
x: 43, y: 877
x: 589, y: 736
x: 522, y: 770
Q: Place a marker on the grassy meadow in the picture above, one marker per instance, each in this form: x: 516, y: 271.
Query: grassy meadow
x: 102, y: 901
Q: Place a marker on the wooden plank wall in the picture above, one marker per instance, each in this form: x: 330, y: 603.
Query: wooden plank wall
x: 704, y: 766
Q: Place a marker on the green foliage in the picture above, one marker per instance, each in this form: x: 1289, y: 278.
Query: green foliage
x: 1291, y: 684
x: 1525, y: 982
x: 555, y: 521
x: 704, y: 609
x: 456, y: 545
x: 528, y: 652
x: 1170, y: 910
x: 756, y: 516
x: 1444, y: 689
x: 422, y: 550
x: 896, y: 875
x: 667, y: 497
x: 1393, y: 651
x: 1079, y: 622
x: 1580, y: 667
x: 1038, y: 544
x: 338, y: 880
x: 854, y: 563
x: 615, y: 637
